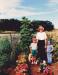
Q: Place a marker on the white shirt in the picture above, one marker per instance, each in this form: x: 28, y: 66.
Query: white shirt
x: 41, y: 36
x: 33, y: 46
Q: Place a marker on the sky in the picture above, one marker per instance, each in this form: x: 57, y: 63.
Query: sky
x: 32, y: 9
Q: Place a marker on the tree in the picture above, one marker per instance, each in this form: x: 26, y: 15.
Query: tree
x: 14, y: 25
x: 5, y: 50
x: 25, y: 34
x: 9, y: 25
x: 47, y: 25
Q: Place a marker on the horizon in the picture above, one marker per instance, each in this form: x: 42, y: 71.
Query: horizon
x: 32, y: 9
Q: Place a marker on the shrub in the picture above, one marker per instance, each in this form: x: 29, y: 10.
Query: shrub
x: 5, y: 50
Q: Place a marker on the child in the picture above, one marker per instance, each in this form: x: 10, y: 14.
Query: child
x: 41, y: 43
x: 33, y: 49
x: 49, y: 52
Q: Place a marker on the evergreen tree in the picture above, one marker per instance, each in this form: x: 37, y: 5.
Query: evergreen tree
x: 25, y: 34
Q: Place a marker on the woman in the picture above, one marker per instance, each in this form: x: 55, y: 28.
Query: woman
x: 41, y: 43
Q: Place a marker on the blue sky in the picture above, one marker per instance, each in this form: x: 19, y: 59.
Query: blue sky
x: 32, y: 9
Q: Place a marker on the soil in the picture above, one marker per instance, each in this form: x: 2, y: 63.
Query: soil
x: 35, y: 70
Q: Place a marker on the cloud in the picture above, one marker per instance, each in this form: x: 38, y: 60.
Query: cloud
x: 6, y: 4
x: 13, y: 9
x: 13, y: 13
x: 16, y: 13
x: 53, y: 1
x: 26, y: 8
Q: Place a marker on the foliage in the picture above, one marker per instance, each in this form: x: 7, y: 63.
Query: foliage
x: 14, y: 24
x: 18, y: 49
x: 25, y: 34
x: 55, y: 52
x: 9, y: 25
x: 5, y: 50
x: 47, y: 25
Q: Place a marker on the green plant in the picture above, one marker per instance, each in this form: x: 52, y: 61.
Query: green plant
x: 25, y: 34
x: 5, y: 50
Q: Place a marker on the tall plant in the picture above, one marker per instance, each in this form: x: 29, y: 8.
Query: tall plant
x: 25, y: 34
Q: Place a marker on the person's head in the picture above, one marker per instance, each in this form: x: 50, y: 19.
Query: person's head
x: 34, y: 39
x: 40, y: 28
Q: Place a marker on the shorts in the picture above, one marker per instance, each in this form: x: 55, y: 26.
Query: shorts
x: 34, y: 53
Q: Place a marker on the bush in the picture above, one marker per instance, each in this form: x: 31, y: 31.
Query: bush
x: 5, y: 50
x: 55, y: 52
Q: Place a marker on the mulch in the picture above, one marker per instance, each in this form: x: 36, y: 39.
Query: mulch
x: 35, y: 70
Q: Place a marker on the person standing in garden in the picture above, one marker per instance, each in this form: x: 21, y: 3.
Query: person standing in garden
x: 33, y: 50
x: 41, y: 43
x: 49, y: 52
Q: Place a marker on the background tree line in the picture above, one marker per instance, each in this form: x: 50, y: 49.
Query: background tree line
x: 14, y: 24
